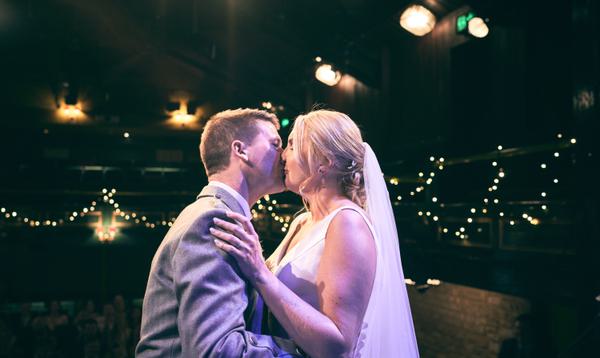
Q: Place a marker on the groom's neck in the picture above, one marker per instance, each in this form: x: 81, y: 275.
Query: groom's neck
x: 235, y: 180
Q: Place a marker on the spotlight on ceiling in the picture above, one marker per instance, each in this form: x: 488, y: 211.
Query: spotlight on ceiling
x: 417, y: 20
x: 183, y: 114
x: 328, y: 75
x: 473, y: 25
x: 478, y: 28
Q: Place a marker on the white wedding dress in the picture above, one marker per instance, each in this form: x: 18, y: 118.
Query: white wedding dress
x: 387, y: 329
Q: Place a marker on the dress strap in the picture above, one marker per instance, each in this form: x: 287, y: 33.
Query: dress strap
x: 334, y: 213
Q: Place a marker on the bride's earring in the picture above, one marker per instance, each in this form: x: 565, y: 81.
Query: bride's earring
x: 321, y: 172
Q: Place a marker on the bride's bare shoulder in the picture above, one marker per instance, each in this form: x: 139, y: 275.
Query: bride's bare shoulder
x: 349, y: 228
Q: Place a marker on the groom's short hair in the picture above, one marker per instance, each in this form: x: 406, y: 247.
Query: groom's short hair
x: 225, y: 127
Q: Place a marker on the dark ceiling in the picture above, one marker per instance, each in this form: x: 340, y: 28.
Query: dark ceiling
x: 129, y: 59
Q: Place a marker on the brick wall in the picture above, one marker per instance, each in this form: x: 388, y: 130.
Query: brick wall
x: 459, y: 321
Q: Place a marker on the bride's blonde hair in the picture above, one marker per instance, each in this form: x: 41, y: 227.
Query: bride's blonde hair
x: 330, y: 136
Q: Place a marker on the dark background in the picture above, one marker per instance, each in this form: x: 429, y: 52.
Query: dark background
x: 128, y: 63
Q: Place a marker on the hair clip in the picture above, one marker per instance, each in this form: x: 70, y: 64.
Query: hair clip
x: 351, y: 165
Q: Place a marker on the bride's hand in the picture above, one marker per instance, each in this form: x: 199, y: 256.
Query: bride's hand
x: 241, y: 241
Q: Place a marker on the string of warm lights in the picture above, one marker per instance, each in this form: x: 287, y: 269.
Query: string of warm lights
x: 486, y: 208
x: 270, y: 207
x: 267, y: 206
x: 438, y: 166
x: 104, y: 233
x: 37, y: 222
x: 132, y: 216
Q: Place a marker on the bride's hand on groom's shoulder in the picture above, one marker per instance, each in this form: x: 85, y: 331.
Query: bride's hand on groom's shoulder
x: 240, y: 240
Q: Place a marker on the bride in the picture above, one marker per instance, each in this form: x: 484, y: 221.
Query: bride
x: 335, y: 283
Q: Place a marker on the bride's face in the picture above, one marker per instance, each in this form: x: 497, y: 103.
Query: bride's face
x: 294, y: 174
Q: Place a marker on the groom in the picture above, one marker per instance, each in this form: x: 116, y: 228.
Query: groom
x: 196, y: 304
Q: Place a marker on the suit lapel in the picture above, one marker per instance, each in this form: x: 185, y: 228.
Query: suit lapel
x: 211, y: 191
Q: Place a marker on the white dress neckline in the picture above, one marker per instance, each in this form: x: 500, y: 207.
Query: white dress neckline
x: 312, y: 238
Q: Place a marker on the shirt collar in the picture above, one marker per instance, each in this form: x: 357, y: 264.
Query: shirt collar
x: 243, y: 203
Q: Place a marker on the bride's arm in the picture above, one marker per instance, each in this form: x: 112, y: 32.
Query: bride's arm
x: 344, y: 282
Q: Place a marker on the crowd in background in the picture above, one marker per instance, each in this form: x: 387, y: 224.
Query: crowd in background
x: 53, y: 333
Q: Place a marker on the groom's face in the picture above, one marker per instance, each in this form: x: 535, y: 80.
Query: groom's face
x: 265, y: 159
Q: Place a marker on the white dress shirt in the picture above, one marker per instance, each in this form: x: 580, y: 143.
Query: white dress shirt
x: 243, y: 203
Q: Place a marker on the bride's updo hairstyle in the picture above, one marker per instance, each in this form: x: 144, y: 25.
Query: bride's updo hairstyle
x: 330, y: 137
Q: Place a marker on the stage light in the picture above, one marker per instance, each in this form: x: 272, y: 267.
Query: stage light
x: 318, y: 59
x: 285, y: 122
x: 573, y: 140
x: 478, y: 28
x: 433, y: 282
x: 327, y: 75
x: 471, y: 24
x: 500, y: 147
x: 556, y: 154
x: 126, y: 135
x: 417, y: 20
x: 181, y: 116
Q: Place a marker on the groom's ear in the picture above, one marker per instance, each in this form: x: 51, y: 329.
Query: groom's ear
x: 240, y: 150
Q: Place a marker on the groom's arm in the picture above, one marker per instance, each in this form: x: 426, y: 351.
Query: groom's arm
x: 212, y: 299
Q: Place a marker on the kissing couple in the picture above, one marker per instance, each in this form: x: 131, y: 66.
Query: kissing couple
x: 334, y: 287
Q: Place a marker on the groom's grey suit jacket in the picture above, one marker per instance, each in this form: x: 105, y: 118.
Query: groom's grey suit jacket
x: 196, y: 304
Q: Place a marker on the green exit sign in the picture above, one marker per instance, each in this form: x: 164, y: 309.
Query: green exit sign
x: 462, y: 22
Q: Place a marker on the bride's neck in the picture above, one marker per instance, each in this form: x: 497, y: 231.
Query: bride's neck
x: 324, y: 200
